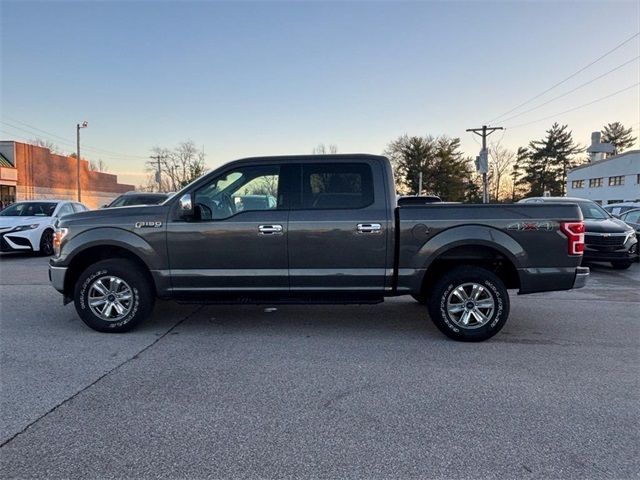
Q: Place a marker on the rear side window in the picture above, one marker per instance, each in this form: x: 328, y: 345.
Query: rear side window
x: 336, y: 185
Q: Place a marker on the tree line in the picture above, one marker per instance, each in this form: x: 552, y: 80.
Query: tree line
x: 542, y: 166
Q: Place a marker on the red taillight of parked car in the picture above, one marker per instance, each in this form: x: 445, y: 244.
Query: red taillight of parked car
x: 575, y: 235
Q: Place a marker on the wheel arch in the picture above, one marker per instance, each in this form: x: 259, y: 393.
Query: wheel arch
x: 92, y: 254
x: 477, y: 252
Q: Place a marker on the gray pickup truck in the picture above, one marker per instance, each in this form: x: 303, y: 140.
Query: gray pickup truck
x: 314, y: 229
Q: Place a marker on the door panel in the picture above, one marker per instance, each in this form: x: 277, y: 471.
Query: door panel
x: 230, y: 254
x: 238, y: 240
x: 337, y: 237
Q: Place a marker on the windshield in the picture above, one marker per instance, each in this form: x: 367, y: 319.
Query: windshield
x: 128, y: 200
x: 29, y: 209
x: 592, y: 211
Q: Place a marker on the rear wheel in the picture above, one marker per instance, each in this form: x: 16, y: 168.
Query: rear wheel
x: 469, y: 304
x: 113, y: 296
x: 621, y: 265
x: 46, y: 243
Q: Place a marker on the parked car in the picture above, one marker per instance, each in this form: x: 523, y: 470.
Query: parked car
x: 632, y: 218
x: 138, y: 198
x: 28, y: 226
x: 334, y: 235
x: 418, y: 200
x: 607, y: 239
x: 618, y: 208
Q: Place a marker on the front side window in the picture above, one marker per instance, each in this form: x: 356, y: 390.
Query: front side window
x: 241, y: 190
x: 336, y: 185
x: 633, y: 217
x: 591, y: 211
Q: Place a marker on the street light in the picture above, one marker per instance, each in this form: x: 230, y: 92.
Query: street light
x: 84, y: 124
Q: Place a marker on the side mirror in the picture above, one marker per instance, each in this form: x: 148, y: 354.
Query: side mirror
x: 185, y: 206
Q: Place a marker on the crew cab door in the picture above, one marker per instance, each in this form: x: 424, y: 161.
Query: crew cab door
x: 237, y: 239
x: 338, y: 229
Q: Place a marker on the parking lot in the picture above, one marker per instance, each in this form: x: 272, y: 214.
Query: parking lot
x: 320, y: 391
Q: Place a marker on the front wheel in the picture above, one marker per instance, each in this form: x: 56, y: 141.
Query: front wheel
x: 469, y: 304
x: 46, y: 243
x: 113, y: 296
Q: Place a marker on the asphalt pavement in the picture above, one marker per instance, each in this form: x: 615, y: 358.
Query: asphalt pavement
x: 320, y: 391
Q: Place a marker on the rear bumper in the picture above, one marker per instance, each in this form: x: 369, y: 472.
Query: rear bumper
x: 533, y: 280
x: 630, y: 255
x: 582, y: 274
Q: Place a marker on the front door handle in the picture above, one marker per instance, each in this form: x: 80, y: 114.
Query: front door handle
x: 270, y: 229
x: 369, y: 228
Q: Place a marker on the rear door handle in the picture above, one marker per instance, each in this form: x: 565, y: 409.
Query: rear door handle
x: 369, y: 228
x: 270, y: 229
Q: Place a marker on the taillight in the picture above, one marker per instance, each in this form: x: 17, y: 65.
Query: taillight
x: 575, y: 234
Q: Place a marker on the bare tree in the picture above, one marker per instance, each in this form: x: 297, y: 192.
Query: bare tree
x: 321, y: 149
x: 501, y: 162
x: 178, y: 167
x: 41, y: 142
x: 99, y: 166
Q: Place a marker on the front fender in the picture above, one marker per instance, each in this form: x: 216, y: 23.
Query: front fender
x: 114, y: 237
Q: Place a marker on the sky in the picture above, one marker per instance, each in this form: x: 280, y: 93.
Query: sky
x: 260, y: 78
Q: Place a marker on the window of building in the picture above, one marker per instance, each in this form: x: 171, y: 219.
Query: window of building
x: 638, y: 178
x: 336, y: 185
x: 7, y: 195
x: 577, y: 184
x: 595, y: 182
x: 616, y: 181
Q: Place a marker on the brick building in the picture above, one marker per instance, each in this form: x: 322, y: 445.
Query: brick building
x: 29, y: 172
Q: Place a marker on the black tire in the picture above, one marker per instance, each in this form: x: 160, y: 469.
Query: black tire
x: 421, y: 299
x: 492, y: 289
x: 46, y: 243
x: 621, y: 265
x: 134, y: 280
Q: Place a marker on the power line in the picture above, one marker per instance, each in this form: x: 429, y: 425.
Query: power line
x: 572, y: 90
x: 578, y: 107
x: 66, y: 141
x: 567, y: 78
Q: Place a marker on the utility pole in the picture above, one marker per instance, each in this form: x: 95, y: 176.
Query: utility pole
x: 484, y: 132
x: 158, y: 172
x: 84, y: 124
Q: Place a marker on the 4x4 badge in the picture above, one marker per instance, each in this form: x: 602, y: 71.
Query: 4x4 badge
x: 531, y: 226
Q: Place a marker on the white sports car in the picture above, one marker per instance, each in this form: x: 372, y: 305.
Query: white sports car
x: 28, y: 226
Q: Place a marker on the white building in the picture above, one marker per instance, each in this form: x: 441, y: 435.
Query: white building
x: 612, y: 180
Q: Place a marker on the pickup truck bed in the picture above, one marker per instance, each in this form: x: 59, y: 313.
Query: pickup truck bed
x: 314, y: 229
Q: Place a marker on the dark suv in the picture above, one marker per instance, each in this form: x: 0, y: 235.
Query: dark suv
x: 607, y: 239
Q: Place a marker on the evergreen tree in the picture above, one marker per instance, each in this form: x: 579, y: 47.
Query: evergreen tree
x: 550, y: 160
x: 621, y: 138
x: 445, y: 171
x: 517, y: 174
